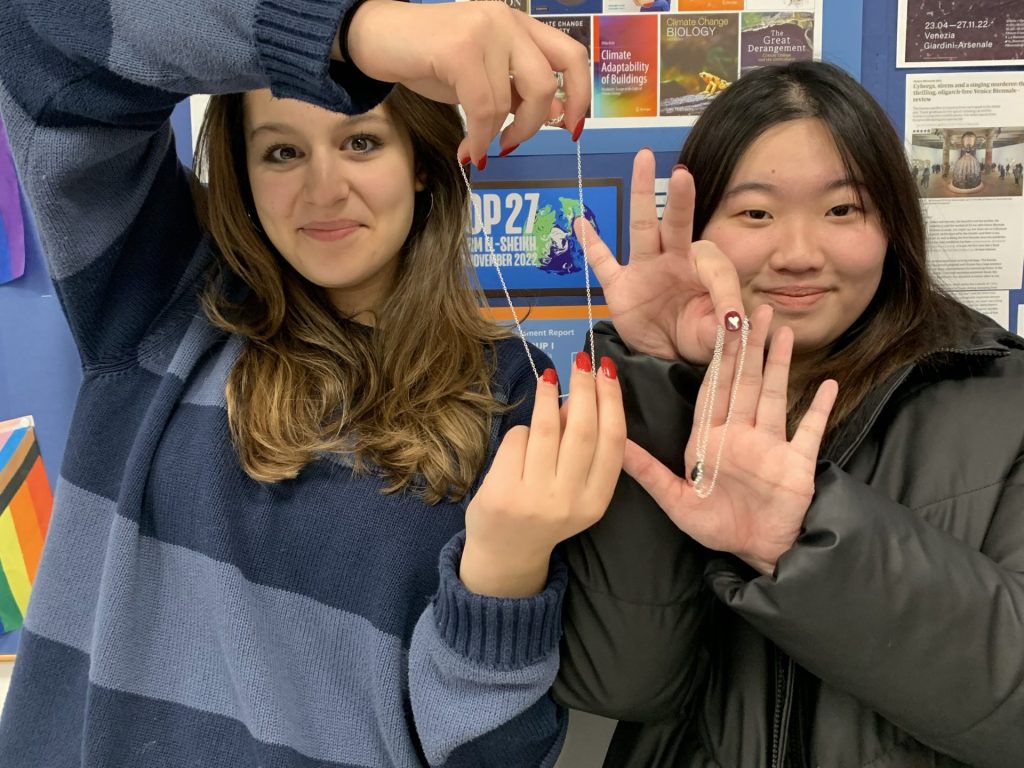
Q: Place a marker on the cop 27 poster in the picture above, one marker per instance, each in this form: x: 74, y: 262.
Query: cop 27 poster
x: 522, y: 231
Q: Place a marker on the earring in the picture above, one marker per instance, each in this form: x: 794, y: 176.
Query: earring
x: 255, y: 222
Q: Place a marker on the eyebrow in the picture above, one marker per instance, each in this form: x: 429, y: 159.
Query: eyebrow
x: 771, y: 189
x: 284, y: 128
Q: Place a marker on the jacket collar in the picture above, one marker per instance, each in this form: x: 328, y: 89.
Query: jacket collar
x: 985, y: 339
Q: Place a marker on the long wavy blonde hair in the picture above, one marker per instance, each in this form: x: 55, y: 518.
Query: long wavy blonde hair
x: 411, y: 397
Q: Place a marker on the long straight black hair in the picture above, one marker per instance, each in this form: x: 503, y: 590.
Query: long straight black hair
x: 909, y: 315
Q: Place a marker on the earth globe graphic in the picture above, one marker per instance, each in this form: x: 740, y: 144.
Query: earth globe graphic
x: 558, y: 251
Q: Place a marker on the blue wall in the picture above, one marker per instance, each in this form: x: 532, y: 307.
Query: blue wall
x: 39, y: 371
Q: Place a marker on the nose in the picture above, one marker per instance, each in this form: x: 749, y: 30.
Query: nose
x: 326, y: 181
x: 798, y: 248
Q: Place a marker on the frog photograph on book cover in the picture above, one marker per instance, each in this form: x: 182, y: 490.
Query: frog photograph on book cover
x: 698, y: 60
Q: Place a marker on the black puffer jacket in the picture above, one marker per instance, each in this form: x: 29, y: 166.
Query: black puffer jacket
x: 893, y: 631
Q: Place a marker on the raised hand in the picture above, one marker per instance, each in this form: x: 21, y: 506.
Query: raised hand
x: 465, y: 53
x: 765, y: 481
x: 548, y: 482
x: 673, y: 293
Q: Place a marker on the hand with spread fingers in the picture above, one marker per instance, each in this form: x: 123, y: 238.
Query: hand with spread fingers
x: 492, y: 60
x: 764, y: 481
x: 671, y: 296
x: 548, y: 482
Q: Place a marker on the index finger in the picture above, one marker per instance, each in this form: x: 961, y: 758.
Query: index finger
x: 719, y: 277
x: 480, y: 103
x: 644, y: 237
x: 677, y: 220
x: 576, y: 452
x: 611, y: 443
x: 535, y: 84
x: 569, y: 57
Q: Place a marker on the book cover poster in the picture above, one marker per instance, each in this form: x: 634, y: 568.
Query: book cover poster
x: 637, y: 6
x: 776, y: 38
x: 519, y: 5
x: 576, y: 27
x: 524, y: 230
x: 712, y: 5
x: 699, y: 60
x: 545, y: 7
x: 779, y: 5
x: 625, y: 66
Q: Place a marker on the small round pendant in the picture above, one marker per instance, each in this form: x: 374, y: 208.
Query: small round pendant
x: 698, y: 472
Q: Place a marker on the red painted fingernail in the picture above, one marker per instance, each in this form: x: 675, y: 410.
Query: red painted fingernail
x: 508, y: 150
x: 464, y: 160
x: 608, y: 368
x: 550, y: 376
x: 733, y: 321
x: 481, y: 163
x: 583, y: 362
x: 579, y: 129
x: 678, y: 166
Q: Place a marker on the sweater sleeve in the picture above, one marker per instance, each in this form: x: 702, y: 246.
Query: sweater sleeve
x: 480, y: 667
x: 479, y: 673
x: 86, y: 90
x: 918, y: 625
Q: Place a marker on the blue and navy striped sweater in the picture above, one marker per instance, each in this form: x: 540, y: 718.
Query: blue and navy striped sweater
x: 184, y: 614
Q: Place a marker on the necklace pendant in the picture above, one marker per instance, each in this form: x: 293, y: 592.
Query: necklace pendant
x: 697, y: 473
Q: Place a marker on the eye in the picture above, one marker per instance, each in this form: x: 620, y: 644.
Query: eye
x: 843, y: 210
x: 756, y: 214
x: 280, y: 153
x: 363, y: 143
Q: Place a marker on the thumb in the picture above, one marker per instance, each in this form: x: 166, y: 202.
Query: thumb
x: 658, y: 480
x: 601, y: 259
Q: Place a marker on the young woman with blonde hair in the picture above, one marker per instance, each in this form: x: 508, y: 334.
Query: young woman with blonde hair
x: 302, y: 520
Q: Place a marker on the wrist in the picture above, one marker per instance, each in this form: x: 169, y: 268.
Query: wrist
x: 766, y: 560
x: 503, y: 574
x: 341, y: 50
x: 763, y: 567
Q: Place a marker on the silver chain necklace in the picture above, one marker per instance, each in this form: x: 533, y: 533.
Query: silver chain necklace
x: 698, y: 476
x: 704, y: 427
x: 586, y: 271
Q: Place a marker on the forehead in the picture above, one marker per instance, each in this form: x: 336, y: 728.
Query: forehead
x: 261, y: 108
x: 792, y: 150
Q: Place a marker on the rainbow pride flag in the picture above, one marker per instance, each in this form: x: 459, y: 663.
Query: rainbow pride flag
x: 25, y: 506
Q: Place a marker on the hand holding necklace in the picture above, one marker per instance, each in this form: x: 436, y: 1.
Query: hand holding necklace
x: 765, y: 481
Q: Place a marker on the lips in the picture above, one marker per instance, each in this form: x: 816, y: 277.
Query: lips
x: 795, y: 296
x: 795, y: 290
x: 330, y: 230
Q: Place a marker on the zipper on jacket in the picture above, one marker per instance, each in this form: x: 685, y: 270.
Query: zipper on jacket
x: 798, y: 744
x: 783, y: 706
x: 784, y: 666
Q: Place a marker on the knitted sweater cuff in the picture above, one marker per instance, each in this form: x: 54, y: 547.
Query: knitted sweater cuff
x: 294, y: 38
x: 498, y: 631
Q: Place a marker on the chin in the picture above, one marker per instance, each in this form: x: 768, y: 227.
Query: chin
x: 813, y: 343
